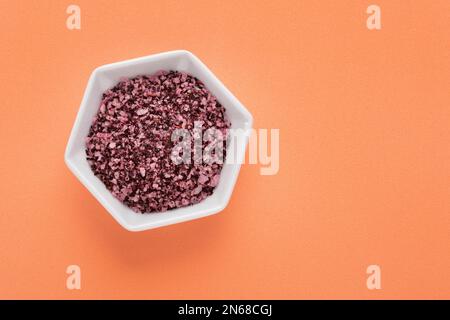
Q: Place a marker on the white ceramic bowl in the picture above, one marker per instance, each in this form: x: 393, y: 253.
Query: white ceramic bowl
x: 107, y: 76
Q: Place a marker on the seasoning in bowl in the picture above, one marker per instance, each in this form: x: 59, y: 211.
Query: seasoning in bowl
x: 130, y: 146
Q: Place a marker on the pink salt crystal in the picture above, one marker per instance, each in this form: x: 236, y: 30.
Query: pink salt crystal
x: 214, y: 180
x: 119, y: 196
x: 115, y: 103
x: 197, y: 190
x: 141, y: 112
x: 112, y: 145
x: 142, y: 171
x: 202, y: 179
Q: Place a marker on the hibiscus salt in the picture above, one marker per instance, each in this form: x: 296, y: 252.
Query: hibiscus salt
x: 129, y: 144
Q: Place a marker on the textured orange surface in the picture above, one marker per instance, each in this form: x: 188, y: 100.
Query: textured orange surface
x: 364, y: 119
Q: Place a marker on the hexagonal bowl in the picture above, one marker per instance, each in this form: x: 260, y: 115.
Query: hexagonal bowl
x: 107, y: 76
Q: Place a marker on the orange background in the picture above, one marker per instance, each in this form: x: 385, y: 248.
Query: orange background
x: 364, y: 119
